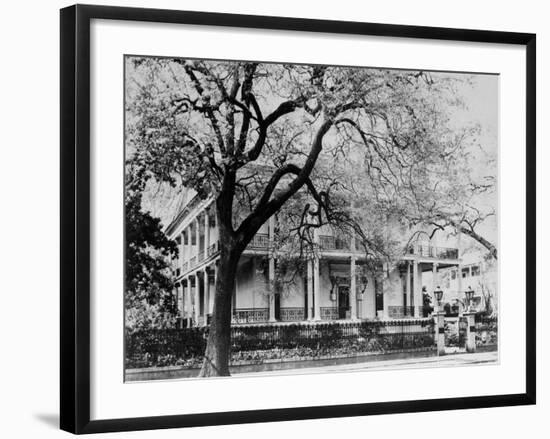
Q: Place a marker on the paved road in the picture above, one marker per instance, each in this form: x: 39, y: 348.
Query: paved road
x: 444, y: 361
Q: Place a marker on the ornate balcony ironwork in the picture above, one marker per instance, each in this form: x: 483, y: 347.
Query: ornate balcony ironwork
x: 329, y: 313
x: 292, y: 314
x: 250, y: 315
x: 212, y: 249
x: 200, y: 256
x: 433, y: 252
x: 193, y: 262
x: 260, y: 240
x: 332, y: 243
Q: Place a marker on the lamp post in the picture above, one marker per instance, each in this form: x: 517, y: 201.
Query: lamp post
x: 469, y: 293
x: 438, y: 294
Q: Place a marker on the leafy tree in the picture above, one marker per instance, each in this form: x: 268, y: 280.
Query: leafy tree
x: 149, y: 301
x: 318, y: 146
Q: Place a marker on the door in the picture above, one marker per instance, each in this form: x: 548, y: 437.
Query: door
x: 343, y: 301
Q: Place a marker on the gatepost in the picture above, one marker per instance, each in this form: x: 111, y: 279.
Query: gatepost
x: 439, y: 321
x: 470, y: 331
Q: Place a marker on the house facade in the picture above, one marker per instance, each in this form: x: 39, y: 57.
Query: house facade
x: 480, y: 276
x: 332, y: 286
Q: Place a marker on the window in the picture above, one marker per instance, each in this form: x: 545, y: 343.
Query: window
x: 475, y: 270
x: 466, y: 272
x: 453, y: 274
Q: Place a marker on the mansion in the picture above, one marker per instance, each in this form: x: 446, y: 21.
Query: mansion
x: 332, y: 287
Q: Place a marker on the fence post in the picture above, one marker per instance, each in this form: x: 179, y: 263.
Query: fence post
x: 439, y: 323
x: 470, y: 331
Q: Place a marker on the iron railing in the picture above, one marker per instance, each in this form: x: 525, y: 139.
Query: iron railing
x: 161, y: 347
x: 328, y: 313
x: 332, y: 243
x: 430, y: 251
x: 250, y: 315
x: 291, y: 314
x: 260, y: 240
x: 212, y: 249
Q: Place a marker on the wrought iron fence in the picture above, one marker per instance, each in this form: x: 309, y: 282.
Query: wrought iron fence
x: 161, y: 347
x: 486, y: 330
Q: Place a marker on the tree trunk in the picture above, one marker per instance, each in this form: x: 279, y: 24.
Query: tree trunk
x: 218, y: 347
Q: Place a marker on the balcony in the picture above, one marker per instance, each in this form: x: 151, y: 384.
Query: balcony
x: 294, y: 314
x: 212, y: 249
x: 432, y: 252
x: 333, y: 244
x: 329, y: 313
x: 250, y: 315
x: 260, y: 241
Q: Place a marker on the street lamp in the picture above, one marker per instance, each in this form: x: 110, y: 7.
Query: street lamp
x: 438, y: 294
x: 469, y: 293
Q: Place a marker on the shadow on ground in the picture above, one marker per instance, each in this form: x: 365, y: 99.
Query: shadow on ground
x: 49, y: 419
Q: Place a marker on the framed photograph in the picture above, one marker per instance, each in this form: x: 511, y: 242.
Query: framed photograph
x: 271, y: 218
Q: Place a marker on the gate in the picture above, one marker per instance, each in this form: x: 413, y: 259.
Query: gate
x: 455, y: 334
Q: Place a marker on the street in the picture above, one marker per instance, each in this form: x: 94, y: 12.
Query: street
x: 453, y: 360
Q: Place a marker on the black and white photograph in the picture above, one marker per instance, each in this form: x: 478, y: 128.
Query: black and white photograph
x: 301, y: 218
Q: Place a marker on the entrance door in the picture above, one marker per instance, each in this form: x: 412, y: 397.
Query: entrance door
x: 343, y: 301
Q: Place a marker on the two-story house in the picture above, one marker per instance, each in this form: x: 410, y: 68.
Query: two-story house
x: 330, y: 287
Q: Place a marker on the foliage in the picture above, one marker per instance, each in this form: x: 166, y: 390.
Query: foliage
x: 257, y: 343
x: 149, y: 301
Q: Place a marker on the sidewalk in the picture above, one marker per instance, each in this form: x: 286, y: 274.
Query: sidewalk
x: 453, y: 360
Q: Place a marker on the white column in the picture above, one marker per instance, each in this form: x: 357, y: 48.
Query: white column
x: 182, y: 250
x: 187, y: 299
x: 197, y: 235
x: 271, y: 280
x: 188, y: 246
x: 459, y: 270
x: 417, y: 288
x: 206, y: 232
x: 309, y: 290
x: 408, y: 286
x: 206, y: 294
x: 316, y: 290
x: 353, y: 291
x: 197, y: 299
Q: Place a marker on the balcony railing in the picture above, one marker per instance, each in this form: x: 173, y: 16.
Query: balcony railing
x: 193, y: 262
x: 201, y: 256
x: 400, y: 311
x: 184, y: 266
x: 329, y: 313
x: 212, y: 249
x: 260, y: 240
x: 250, y: 315
x: 292, y: 314
x: 332, y: 243
x: 433, y: 252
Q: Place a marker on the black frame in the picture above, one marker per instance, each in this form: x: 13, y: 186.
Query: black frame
x: 75, y: 217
